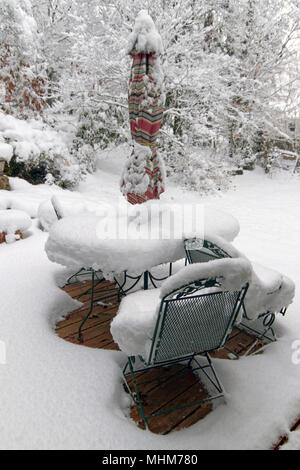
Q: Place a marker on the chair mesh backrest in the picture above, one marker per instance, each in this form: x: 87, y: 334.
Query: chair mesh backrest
x: 195, y: 324
x: 201, y: 251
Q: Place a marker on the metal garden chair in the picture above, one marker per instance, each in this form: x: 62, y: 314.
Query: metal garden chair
x: 202, y: 250
x: 194, y: 319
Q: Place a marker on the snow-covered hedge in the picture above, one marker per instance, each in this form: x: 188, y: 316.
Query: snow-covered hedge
x: 37, y: 152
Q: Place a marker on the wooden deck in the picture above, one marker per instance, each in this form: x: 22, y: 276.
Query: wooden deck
x: 96, y: 331
x: 167, y: 391
x: 284, y: 439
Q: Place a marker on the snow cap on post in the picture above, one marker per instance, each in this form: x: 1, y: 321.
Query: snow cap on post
x: 144, y: 37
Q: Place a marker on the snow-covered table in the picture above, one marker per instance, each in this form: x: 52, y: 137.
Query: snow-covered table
x: 82, y: 241
x: 119, y: 242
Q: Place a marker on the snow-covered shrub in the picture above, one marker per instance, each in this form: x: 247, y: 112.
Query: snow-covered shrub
x: 272, y: 159
x: 101, y: 127
x: 39, y: 152
x: 278, y: 159
x: 244, y: 158
x: 86, y: 156
x: 21, y: 68
x: 248, y: 158
x: 97, y: 130
x: 203, y: 170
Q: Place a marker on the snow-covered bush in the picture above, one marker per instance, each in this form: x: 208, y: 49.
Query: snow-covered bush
x: 21, y: 66
x: 204, y: 170
x: 100, y: 127
x: 223, y: 61
x: 39, y: 152
x: 248, y: 159
x: 278, y: 159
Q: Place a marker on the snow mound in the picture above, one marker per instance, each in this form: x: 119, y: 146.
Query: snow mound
x: 36, y: 201
x: 13, y: 220
x: 25, y: 196
x: 144, y: 37
x: 71, y: 205
x: 6, y: 151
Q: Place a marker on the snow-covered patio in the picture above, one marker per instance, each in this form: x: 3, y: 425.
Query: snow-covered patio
x: 57, y: 395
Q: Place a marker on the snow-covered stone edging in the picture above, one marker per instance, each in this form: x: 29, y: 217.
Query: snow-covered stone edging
x: 13, y: 224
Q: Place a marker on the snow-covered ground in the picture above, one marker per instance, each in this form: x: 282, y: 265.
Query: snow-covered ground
x: 57, y: 395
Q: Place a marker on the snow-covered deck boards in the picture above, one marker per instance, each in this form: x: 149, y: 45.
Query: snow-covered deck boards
x: 169, y: 391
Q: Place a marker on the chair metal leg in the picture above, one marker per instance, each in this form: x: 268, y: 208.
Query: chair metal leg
x: 90, y: 309
x: 214, y: 379
x: 267, y: 333
x: 268, y: 320
x: 138, y: 400
x: 136, y: 396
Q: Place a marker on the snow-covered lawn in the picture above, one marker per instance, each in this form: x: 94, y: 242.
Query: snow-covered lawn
x: 57, y: 395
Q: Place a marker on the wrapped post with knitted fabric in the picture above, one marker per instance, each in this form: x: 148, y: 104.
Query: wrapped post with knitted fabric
x: 143, y: 175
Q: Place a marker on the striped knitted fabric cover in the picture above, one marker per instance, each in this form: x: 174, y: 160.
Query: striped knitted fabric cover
x: 145, y: 115
x: 145, y: 112
x: 155, y: 185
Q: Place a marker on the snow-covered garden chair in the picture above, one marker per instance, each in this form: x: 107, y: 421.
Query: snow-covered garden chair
x: 192, y: 313
x: 269, y: 291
